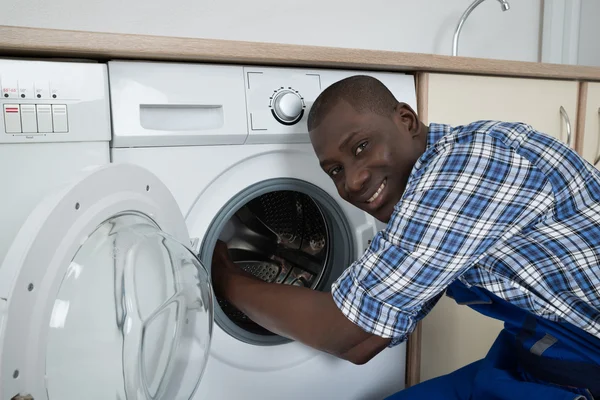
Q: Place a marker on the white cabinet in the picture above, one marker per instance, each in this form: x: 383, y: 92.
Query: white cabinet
x: 453, y: 336
x: 590, y: 149
x: 461, y: 99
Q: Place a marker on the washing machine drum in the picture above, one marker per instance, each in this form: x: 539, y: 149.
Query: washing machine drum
x: 107, y: 301
x: 279, y: 237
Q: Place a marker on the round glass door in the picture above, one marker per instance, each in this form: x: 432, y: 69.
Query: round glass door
x: 132, y: 319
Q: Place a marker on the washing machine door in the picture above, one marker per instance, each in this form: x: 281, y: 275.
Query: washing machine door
x: 101, y: 298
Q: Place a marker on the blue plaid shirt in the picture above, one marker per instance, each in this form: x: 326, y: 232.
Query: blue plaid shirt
x: 496, y: 205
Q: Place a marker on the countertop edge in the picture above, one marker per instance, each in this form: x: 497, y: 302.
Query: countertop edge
x: 54, y: 43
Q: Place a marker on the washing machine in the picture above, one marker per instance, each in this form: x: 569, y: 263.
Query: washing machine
x: 230, y: 143
x: 54, y: 127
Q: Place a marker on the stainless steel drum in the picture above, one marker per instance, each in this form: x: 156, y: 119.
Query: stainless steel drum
x: 278, y: 237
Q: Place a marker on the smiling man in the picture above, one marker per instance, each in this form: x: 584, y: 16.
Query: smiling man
x: 498, y: 216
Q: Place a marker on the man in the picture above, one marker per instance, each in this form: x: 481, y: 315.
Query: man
x: 500, y: 217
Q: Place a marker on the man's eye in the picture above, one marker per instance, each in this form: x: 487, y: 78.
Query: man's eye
x: 360, y: 148
x: 334, y: 171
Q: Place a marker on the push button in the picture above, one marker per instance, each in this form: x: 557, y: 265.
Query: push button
x: 12, y: 118
x: 59, y: 118
x: 28, y: 118
x: 44, y: 118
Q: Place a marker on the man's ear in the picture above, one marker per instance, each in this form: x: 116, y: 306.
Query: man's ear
x: 405, y: 115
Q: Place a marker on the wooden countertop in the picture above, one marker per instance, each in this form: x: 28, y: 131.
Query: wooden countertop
x: 35, y: 42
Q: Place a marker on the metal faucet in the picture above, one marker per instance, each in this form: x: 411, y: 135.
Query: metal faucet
x: 503, y: 3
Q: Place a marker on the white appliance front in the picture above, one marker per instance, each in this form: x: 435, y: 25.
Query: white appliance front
x: 100, y: 297
x: 54, y: 123
x: 219, y: 138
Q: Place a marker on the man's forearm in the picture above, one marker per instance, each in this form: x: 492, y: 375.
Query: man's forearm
x: 302, y: 314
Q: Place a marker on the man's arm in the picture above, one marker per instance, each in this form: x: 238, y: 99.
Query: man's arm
x: 298, y: 313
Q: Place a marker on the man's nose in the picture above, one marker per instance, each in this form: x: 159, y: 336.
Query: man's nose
x: 355, y: 182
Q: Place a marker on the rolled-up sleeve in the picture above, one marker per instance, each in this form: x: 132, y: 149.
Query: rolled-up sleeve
x: 464, y: 203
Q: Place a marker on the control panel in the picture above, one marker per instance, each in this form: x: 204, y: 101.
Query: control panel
x: 35, y: 118
x: 44, y: 101
x: 278, y: 100
x: 158, y: 104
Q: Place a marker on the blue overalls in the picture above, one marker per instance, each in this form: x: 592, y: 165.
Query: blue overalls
x: 532, y: 358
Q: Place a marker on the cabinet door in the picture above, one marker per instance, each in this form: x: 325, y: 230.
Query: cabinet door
x: 453, y: 336
x: 591, y: 125
x: 461, y: 99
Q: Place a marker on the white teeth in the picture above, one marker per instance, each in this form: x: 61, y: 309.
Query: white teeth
x: 377, y: 193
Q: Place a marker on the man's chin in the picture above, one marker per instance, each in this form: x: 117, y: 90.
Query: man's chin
x: 384, y: 214
x: 383, y: 218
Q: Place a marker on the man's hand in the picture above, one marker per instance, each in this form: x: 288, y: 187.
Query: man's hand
x: 222, y: 268
x: 316, y: 321
x: 220, y: 256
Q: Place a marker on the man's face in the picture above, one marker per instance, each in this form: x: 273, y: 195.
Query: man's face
x: 369, y: 156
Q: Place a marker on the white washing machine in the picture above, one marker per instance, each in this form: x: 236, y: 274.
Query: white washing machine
x: 54, y: 126
x: 103, y: 292
x: 231, y: 144
x: 99, y: 298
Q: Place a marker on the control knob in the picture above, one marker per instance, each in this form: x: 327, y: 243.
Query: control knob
x: 287, y: 107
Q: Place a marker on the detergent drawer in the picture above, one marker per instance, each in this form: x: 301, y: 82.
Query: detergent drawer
x: 176, y: 104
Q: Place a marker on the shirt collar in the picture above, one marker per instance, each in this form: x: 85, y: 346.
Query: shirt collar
x: 436, y: 132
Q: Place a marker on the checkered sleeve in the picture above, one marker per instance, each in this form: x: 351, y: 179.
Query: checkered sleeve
x: 469, y: 197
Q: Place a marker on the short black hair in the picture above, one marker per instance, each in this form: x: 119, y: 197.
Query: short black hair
x: 362, y: 92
